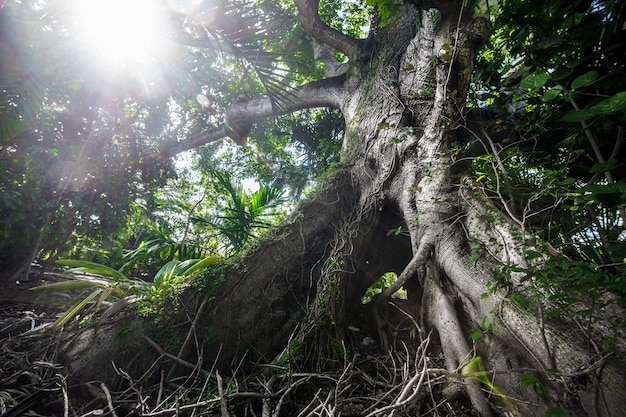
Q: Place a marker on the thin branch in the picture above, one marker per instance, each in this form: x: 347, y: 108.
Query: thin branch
x: 422, y: 254
x: 600, y: 158
x: 190, y: 333
x: 220, y: 390
x: 176, y: 359
x: 109, y: 399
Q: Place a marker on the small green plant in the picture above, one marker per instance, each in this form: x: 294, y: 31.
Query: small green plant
x: 485, y: 326
x: 477, y: 253
x: 476, y: 370
x: 120, y: 288
x: 291, y: 356
x: 167, y: 276
x: 574, y: 289
x: 385, y: 281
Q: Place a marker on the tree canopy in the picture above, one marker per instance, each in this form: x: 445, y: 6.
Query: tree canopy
x: 89, y: 131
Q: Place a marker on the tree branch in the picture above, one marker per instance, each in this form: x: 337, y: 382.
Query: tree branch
x: 314, y: 26
x: 324, y: 93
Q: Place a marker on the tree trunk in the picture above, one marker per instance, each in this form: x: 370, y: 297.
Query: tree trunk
x: 398, y: 204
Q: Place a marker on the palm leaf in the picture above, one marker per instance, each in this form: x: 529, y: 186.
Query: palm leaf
x: 75, y: 309
x: 210, y: 260
x: 190, y: 266
x: 120, y: 305
x: 246, y: 39
x: 70, y: 285
x: 165, y: 274
x: 106, y: 292
x: 92, y: 268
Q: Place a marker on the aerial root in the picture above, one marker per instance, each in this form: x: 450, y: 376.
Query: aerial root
x: 443, y: 317
x: 422, y: 254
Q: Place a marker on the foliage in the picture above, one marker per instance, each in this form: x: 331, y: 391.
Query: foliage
x: 84, y: 164
x: 576, y: 289
x: 81, y: 150
x: 385, y: 281
x: 387, y: 10
x: 167, y: 276
x: 118, y: 288
x: 63, y: 125
x: 554, y: 73
x: 243, y: 213
x: 122, y: 289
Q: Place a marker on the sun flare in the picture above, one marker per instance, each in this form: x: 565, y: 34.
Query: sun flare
x: 120, y: 32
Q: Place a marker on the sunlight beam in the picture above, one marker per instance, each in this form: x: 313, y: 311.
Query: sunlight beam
x: 120, y: 32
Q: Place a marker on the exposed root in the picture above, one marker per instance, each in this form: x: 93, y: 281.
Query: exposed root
x: 443, y: 317
x: 404, y: 381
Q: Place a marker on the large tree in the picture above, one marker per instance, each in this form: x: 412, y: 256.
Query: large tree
x: 401, y: 201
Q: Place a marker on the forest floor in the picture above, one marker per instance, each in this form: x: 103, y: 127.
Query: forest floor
x: 24, y: 310
x: 29, y: 374
x: 32, y: 382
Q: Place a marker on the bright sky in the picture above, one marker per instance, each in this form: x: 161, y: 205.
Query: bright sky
x: 121, y: 31
x: 123, y: 43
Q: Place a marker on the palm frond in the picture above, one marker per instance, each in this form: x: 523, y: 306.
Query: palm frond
x: 244, y: 213
x: 244, y: 29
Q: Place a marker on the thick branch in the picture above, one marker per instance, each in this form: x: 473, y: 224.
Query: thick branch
x: 325, y: 93
x: 205, y: 137
x: 314, y: 26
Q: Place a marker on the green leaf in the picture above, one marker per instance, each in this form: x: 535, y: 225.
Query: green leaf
x: 91, y: 268
x: 190, y: 266
x: 602, y: 167
x: 518, y: 300
x: 532, y: 254
x: 540, y: 389
x: 566, y: 181
x: 70, y: 285
x: 612, y: 195
x: 560, y: 74
x: 552, y: 93
x: 528, y: 380
x: 611, y: 105
x: 576, y: 116
x: 534, y: 81
x: 555, y: 412
x: 585, y: 79
x: 75, y: 309
x: 475, y: 333
x: 165, y: 274
x: 553, y: 313
x: 474, y: 258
